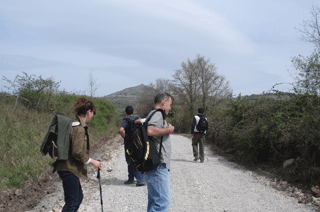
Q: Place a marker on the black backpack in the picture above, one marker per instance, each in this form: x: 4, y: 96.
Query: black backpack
x: 202, y: 125
x: 141, y: 148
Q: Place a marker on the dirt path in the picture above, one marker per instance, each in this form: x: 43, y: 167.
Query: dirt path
x: 215, y: 185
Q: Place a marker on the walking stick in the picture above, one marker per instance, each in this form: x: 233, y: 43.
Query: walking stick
x: 98, y: 176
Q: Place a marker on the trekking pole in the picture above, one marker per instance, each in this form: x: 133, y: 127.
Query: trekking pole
x: 98, y: 176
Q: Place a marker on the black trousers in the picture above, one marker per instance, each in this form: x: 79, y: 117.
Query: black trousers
x: 73, y: 195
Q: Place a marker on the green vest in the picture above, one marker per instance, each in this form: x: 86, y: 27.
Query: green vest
x: 61, y: 129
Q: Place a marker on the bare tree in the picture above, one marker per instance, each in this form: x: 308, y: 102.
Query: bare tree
x: 186, y: 84
x: 92, y: 85
x: 198, y: 81
x: 212, y: 85
x: 161, y: 85
x: 311, y: 28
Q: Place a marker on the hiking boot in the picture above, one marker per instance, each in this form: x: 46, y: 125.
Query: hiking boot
x: 140, y: 184
x: 128, y: 182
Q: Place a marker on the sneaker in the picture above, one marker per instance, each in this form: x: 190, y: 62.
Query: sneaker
x: 140, y: 184
x: 128, y: 182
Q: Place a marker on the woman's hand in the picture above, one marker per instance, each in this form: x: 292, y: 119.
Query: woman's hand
x: 96, y: 164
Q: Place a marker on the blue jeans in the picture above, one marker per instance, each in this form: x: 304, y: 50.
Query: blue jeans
x: 158, y: 182
x: 72, y: 191
x: 133, y: 172
x: 140, y: 177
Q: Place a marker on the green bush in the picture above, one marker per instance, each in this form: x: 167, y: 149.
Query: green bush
x: 270, y: 130
x: 33, y: 92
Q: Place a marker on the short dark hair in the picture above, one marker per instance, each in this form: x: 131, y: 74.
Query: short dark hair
x: 161, y: 96
x: 200, y: 110
x: 82, y: 106
x: 129, y: 110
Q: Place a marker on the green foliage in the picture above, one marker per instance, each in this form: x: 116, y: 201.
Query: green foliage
x: 307, y: 80
x: 34, y: 92
x: 270, y: 130
x: 104, y: 116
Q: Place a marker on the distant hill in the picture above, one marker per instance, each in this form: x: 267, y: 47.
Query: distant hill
x: 280, y: 95
x: 127, y: 96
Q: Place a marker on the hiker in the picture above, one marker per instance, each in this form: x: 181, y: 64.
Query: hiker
x: 75, y: 167
x: 124, y: 132
x: 198, y: 135
x: 158, y: 183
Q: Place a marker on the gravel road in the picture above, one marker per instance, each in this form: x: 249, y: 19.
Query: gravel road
x: 215, y: 185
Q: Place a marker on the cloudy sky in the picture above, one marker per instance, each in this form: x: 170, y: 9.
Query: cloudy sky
x: 126, y: 43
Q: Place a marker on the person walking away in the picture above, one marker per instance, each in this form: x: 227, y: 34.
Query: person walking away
x: 123, y: 131
x: 198, y: 134
x: 75, y: 167
x: 158, y: 183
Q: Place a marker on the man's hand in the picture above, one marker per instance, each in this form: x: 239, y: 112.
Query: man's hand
x: 170, y: 129
x: 192, y: 135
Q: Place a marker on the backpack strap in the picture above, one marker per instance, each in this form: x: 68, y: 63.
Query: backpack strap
x: 148, y: 119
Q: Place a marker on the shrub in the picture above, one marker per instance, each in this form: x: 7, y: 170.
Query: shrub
x: 270, y: 130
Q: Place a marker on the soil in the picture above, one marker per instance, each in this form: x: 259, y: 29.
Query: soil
x: 28, y: 196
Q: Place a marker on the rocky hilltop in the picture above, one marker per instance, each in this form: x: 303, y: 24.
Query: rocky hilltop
x: 127, y: 96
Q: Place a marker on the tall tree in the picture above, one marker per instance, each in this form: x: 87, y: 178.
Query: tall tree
x: 198, y: 81
x: 186, y: 84
x: 211, y: 83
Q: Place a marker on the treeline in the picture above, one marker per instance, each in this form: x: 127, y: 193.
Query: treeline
x: 27, y: 110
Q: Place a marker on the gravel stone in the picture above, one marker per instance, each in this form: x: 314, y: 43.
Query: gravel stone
x: 215, y: 185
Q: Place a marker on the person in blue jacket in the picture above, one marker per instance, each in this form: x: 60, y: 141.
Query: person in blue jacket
x: 132, y: 171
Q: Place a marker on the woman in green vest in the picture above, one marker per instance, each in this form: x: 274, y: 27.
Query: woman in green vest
x: 75, y: 168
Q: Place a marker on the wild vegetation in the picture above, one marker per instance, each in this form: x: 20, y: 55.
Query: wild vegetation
x: 26, y: 113
x: 271, y: 131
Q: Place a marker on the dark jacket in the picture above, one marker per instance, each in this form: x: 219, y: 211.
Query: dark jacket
x: 194, y: 123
